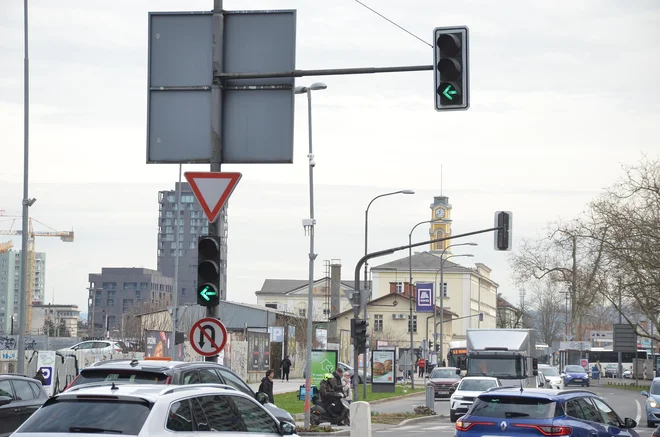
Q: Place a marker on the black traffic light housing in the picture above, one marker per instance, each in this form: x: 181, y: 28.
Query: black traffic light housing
x: 208, y: 270
x: 360, y: 334
x: 481, y: 317
x: 451, y: 78
x: 503, y: 234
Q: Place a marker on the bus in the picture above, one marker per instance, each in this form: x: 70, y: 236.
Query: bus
x: 457, y: 355
x: 543, y: 354
x: 608, y: 356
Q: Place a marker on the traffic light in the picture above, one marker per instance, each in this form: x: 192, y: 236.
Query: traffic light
x: 208, y: 271
x: 481, y: 317
x: 503, y: 223
x: 450, y: 68
x: 360, y: 334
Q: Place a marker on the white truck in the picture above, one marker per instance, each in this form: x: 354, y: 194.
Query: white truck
x: 507, y: 354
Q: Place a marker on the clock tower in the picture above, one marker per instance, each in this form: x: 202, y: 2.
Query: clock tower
x: 441, y: 213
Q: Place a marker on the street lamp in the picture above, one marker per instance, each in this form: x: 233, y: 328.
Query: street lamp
x: 442, y: 294
x: 367, y: 297
x: 308, y: 224
x: 410, y: 320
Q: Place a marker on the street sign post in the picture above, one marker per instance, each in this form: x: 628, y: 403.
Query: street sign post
x: 208, y: 337
x: 212, y: 189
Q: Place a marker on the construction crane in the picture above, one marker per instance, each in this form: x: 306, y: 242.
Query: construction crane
x: 4, y: 247
x: 66, y: 236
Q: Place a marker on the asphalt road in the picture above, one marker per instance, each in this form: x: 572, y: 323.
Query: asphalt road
x: 626, y: 403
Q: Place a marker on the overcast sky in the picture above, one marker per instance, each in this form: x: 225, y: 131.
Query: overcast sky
x: 562, y: 94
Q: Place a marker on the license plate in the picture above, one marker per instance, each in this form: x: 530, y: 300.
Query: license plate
x: 578, y: 379
x: 443, y: 392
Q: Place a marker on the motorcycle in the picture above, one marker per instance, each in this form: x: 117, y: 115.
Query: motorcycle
x: 318, y: 413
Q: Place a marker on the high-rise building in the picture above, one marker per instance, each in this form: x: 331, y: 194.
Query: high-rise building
x: 116, y: 292
x: 189, y: 221
x: 10, y: 286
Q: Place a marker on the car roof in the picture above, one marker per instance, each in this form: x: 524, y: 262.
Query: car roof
x: 13, y: 376
x: 479, y: 378
x: 149, y: 392
x: 151, y: 365
x: 539, y: 393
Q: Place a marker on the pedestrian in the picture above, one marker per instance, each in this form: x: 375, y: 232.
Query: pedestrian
x: 346, y: 386
x: 266, y: 385
x: 286, y: 367
x: 40, y: 377
x: 421, y: 363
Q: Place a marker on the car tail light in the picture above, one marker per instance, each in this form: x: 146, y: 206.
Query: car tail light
x: 464, y: 425
x: 548, y: 429
x: 71, y: 383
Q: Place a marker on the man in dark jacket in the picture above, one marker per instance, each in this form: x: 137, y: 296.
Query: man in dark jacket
x: 266, y: 385
x: 336, y: 381
x: 286, y: 367
x: 40, y: 377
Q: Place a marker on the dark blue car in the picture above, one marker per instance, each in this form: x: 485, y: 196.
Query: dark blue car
x: 511, y: 411
x: 576, y: 375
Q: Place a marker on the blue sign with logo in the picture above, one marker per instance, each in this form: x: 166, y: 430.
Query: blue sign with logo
x: 48, y: 374
x: 425, y: 297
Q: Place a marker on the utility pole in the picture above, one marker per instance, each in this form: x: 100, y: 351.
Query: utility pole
x: 175, y: 295
x: 619, y: 357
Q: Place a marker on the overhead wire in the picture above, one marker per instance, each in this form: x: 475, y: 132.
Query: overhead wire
x: 392, y: 22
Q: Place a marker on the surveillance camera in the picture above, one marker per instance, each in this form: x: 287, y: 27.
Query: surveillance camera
x: 312, y: 162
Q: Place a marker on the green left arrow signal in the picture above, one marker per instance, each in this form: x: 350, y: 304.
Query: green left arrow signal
x: 449, y: 92
x: 206, y: 292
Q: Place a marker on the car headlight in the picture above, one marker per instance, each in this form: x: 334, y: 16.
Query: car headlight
x: 457, y: 397
x: 653, y: 404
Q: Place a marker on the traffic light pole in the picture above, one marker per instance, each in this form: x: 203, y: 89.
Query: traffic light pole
x: 217, y: 228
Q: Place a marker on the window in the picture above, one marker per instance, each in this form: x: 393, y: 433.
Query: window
x: 378, y: 323
x: 582, y: 408
x: 208, y: 376
x: 216, y: 413
x: 5, y: 389
x: 609, y: 416
x: 235, y: 381
x: 506, y: 407
x: 59, y: 416
x: 180, y: 417
x: 191, y: 377
x: 254, y: 417
x: 414, y: 324
x: 302, y: 312
x: 399, y: 287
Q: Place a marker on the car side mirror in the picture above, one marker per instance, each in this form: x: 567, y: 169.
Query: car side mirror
x: 541, y: 384
x: 630, y: 423
x: 645, y: 393
x: 4, y: 400
x: 287, y: 429
x: 262, y: 397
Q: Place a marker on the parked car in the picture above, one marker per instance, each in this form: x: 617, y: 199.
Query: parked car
x: 443, y: 380
x: 153, y: 410
x: 98, y: 347
x: 653, y: 403
x: 611, y: 371
x: 20, y: 397
x: 346, y: 368
x: 575, y: 375
x: 536, y: 412
x: 169, y: 372
x: 468, y: 389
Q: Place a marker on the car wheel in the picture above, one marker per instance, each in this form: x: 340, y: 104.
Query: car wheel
x: 452, y: 416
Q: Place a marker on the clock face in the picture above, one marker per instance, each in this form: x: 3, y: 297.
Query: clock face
x: 439, y: 213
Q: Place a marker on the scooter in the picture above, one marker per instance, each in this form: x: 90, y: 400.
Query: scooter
x: 318, y: 414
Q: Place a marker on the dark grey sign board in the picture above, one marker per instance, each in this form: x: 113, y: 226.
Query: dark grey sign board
x: 257, y: 114
x: 625, y: 338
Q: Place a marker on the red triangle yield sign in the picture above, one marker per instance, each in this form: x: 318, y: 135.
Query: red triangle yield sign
x: 212, y: 189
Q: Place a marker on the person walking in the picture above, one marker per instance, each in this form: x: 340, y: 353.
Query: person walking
x: 266, y: 385
x: 40, y: 377
x: 421, y: 363
x: 286, y: 367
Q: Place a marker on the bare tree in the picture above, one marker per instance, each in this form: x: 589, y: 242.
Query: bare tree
x: 570, y: 257
x: 631, y: 210
x: 390, y: 335
x: 548, y: 308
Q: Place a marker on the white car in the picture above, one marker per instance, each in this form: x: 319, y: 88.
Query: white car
x: 552, y: 378
x: 467, y: 391
x: 151, y: 410
x: 97, y: 347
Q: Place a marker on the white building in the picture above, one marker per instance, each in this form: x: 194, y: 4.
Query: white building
x: 57, y: 314
x: 10, y: 285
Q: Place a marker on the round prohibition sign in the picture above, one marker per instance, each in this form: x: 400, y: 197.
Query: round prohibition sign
x: 208, y: 336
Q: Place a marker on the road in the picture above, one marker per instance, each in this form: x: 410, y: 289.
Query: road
x: 626, y: 403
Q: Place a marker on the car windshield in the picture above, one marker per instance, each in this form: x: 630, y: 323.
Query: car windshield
x: 123, y: 376
x: 549, y: 371
x: 477, y: 384
x: 574, y: 369
x: 96, y: 416
x: 445, y: 373
x: 504, y: 407
x: 655, y: 388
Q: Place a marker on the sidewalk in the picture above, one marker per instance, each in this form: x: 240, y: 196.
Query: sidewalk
x: 281, y: 387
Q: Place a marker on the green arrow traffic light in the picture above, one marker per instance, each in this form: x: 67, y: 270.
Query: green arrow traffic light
x: 206, y: 293
x: 449, y: 92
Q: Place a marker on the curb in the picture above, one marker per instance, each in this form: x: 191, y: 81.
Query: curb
x: 421, y: 419
x: 338, y: 433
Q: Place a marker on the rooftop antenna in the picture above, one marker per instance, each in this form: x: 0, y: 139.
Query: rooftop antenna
x: 521, y: 386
